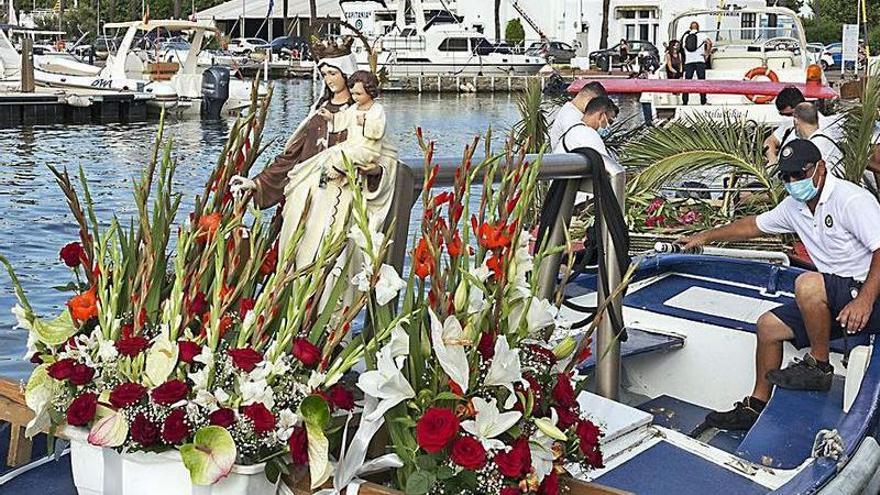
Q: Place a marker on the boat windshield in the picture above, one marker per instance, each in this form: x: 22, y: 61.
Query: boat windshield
x: 747, y: 28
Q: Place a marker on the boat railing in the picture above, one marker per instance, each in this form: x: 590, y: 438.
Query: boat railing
x: 575, y: 171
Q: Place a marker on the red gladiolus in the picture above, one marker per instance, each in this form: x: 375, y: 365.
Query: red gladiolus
x: 493, y: 237
x: 516, y: 462
x: 432, y: 175
x: 82, y: 409
x: 131, y: 346
x: 496, y: 264
x: 655, y: 205
x: 689, y: 217
x: 423, y: 261
x: 245, y: 359
x: 209, y: 224
x: 84, y: 306
x: 170, y: 392
x: 222, y: 417
x: 436, y: 428
x: 454, y: 246
x: 198, y: 304
x: 340, y: 397
x: 270, y: 261
x: 244, y: 306
x: 306, y: 352
x: 127, y: 394
x: 174, y: 429
x: 61, y: 369
x: 442, y: 198
x: 188, y: 350
x: 656, y: 221
x: 72, y: 254
x: 81, y: 374
x: 299, y: 446
x: 563, y: 392
x: 468, y: 453
x: 264, y: 420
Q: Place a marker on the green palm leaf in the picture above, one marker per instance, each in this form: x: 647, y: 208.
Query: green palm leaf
x: 858, y: 130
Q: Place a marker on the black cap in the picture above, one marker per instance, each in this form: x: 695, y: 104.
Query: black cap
x: 797, y: 155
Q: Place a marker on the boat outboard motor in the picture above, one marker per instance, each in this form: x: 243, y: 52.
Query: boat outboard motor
x: 215, y: 91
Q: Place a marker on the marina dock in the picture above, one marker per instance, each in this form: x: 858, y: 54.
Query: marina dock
x: 53, y: 106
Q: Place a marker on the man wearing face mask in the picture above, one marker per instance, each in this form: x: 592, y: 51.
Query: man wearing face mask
x: 571, y: 113
x: 593, y: 127
x: 837, y: 221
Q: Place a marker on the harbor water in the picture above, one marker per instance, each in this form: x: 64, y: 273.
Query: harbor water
x: 36, y: 222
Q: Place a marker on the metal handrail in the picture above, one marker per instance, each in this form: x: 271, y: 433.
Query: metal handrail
x: 575, y: 171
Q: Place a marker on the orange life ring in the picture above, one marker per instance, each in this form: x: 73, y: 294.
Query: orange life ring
x: 757, y: 72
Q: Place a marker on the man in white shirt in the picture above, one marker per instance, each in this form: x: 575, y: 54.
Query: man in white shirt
x: 837, y: 221
x: 571, y: 113
x: 588, y: 132
x: 697, y: 47
x: 807, y: 126
x: 786, y: 101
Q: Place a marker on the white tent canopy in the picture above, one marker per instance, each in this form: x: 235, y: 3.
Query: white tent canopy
x: 257, y: 9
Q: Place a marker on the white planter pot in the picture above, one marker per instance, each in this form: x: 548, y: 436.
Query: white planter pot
x: 96, y: 471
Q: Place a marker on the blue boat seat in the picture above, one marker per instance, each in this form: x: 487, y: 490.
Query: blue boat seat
x: 676, y: 414
x: 638, y: 342
x: 783, y: 436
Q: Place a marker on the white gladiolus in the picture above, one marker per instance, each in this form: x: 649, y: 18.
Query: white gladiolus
x: 388, y: 285
x: 505, y: 369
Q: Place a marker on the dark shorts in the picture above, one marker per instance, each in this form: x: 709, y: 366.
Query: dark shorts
x: 839, y: 291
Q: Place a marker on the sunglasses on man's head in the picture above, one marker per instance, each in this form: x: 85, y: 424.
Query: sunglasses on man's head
x: 799, y: 175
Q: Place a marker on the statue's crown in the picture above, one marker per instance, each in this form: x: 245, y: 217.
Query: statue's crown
x: 338, y: 47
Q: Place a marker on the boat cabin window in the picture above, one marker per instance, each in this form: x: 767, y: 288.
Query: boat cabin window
x: 454, y: 45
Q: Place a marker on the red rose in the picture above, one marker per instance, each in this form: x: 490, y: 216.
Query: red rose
x: 487, y: 345
x: 436, y: 428
x: 563, y: 392
x: 306, y: 352
x: 222, y: 417
x: 263, y: 419
x: 169, y: 392
x: 131, y: 346
x: 589, y: 434
x: 550, y: 484
x: 245, y: 305
x: 510, y: 490
x: 81, y: 374
x: 188, y: 350
x: 567, y: 417
x: 340, y: 397
x: 299, y: 447
x: 82, y: 409
x: 517, y: 462
x: 127, y: 394
x: 144, y: 431
x: 174, y: 429
x: 61, y: 370
x: 72, y: 254
x: 245, y: 359
x: 468, y: 453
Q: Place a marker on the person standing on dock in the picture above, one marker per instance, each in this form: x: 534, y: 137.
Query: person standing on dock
x: 674, y: 63
x: 697, y: 47
x: 837, y: 221
x: 572, y: 112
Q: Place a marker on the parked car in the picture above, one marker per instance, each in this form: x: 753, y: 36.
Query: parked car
x: 814, y: 52
x: 553, y: 51
x: 610, y: 57
x: 832, y: 56
x: 246, y: 46
x: 295, y: 46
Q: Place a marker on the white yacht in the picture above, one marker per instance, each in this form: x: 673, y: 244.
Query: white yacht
x: 439, y: 45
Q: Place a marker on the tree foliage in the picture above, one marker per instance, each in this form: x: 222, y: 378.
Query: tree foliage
x: 829, y: 16
x: 514, y: 33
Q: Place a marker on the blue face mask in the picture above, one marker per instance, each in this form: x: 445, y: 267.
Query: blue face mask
x: 604, y: 132
x: 802, y: 190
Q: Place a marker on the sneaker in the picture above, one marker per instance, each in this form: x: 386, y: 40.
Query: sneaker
x: 803, y: 374
x: 741, y: 417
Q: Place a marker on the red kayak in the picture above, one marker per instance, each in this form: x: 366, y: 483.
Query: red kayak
x: 726, y: 87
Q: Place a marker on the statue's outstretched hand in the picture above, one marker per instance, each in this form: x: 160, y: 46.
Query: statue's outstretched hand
x: 239, y: 185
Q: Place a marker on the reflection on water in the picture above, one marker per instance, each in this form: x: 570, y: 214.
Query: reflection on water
x: 36, y: 223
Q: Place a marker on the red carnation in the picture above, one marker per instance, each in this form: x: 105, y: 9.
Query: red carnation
x: 563, y: 392
x: 589, y: 434
x: 127, y: 394
x: 144, y: 431
x: 594, y: 458
x: 340, y: 397
x: 245, y: 359
x: 82, y: 409
x: 170, y: 392
x: 222, y: 417
x: 567, y: 417
x: 550, y: 484
x: 245, y: 305
x: 299, y: 447
x: 131, y: 346
x: 306, y: 352
x: 436, y: 428
x: 468, y: 453
x: 188, y: 350
x: 61, y: 370
x: 72, y: 254
x: 263, y: 419
x: 517, y: 462
x: 174, y: 429
x: 81, y: 374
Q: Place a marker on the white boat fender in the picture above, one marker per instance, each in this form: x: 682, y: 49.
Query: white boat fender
x: 858, y: 476
x: 162, y: 92
x: 78, y: 101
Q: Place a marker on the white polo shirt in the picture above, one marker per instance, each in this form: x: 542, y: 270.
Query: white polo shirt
x: 581, y: 136
x: 841, y: 236
x: 830, y: 126
x: 830, y: 150
x: 568, y: 115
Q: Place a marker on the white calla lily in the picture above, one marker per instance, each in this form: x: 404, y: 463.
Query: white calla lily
x: 489, y: 422
x: 447, y: 340
x: 386, y: 383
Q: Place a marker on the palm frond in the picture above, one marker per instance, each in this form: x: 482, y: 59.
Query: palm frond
x: 697, y: 144
x: 858, y: 130
x: 532, y: 128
